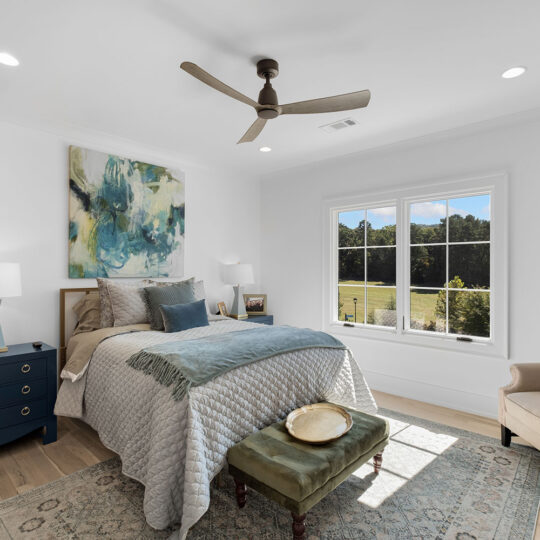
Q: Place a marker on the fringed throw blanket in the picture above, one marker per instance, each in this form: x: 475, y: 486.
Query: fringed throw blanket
x: 183, y: 364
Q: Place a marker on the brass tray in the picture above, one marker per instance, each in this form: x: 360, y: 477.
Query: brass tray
x: 318, y: 423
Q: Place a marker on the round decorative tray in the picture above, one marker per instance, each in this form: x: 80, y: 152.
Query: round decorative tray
x: 318, y: 423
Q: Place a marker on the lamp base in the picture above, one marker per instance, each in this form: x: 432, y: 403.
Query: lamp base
x: 3, y: 346
x: 238, y: 309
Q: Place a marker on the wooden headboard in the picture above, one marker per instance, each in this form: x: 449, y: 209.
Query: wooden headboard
x: 68, y: 318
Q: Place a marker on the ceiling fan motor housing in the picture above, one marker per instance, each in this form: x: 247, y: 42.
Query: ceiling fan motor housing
x: 268, y: 69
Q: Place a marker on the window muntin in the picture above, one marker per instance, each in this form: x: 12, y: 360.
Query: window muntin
x: 366, y: 261
x: 450, y: 266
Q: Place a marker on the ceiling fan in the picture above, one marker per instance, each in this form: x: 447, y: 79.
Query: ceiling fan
x: 267, y: 107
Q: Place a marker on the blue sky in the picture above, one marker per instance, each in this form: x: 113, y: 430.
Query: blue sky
x: 432, y: 212
x: 423, y: 213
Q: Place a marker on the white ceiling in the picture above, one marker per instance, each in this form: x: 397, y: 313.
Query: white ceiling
x: 112, y: 66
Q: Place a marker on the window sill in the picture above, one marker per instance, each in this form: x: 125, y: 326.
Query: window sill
x: 480, y: 347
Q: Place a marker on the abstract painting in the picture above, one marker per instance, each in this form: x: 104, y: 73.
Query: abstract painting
x: 126, y: 217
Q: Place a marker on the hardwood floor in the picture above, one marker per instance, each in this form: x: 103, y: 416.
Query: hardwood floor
x: 449, y: 417
x: 27, y: 463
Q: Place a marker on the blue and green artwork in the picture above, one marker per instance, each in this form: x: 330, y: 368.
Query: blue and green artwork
x: 126, y: 217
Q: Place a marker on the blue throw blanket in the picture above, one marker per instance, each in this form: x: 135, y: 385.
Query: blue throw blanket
x: 194, y: 362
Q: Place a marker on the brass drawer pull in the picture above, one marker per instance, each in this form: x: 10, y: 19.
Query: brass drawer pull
x: 25, y: 389
x: 25, y: 368
x: 25, y: 411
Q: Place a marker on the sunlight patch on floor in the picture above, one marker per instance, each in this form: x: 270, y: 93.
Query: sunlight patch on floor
x: 383, y: 486
x: 395, y: 425
x: 410, y: 450
x: 425, y: 439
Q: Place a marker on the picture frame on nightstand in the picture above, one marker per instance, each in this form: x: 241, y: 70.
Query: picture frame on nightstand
x: 255, y: 304
x: 222, y: 307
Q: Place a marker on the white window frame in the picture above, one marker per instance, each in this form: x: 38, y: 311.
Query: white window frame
x: 365, y: 247
x: 496, y: 184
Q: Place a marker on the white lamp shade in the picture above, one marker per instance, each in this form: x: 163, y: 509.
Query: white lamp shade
x: 10, y: 280
x: 238, y: 274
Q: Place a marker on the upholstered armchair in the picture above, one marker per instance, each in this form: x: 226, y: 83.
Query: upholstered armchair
x: 519, y: 405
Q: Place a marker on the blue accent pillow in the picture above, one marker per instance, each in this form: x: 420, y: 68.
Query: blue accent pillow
x: 184, y: 316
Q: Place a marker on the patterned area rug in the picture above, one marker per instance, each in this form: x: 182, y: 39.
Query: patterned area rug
x: 436, y: 482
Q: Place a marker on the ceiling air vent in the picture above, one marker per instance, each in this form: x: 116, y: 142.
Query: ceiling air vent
x: 339, y: 125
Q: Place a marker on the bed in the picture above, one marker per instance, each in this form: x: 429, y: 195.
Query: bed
x: 176, y: 447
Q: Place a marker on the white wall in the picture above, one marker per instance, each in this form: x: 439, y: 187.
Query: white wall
x: 34, y: 222
x: 292, y: 254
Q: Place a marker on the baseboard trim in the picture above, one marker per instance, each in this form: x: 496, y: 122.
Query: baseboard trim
x: 451, y: 398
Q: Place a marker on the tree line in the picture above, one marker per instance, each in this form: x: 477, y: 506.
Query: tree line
x: 427, y: 262
x: 469, y: 266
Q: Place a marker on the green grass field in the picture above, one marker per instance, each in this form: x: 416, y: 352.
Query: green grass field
x: 422, y: 303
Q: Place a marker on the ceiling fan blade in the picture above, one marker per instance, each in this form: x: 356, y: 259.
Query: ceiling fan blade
x: 210, y: 80
x: 253, y: 132
x: 344, y: 102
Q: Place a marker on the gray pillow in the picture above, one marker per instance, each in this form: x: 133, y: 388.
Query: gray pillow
x: 169, y: 283
x: 182, y: 293
x: 128, y: 304
x: 107, y: 317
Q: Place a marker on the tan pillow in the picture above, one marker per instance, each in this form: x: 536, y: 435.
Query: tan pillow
x: 87, y: 310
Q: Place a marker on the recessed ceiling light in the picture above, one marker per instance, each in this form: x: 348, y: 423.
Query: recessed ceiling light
x: 514, y: 72
x: 265, y: 149
x: 8, y: 60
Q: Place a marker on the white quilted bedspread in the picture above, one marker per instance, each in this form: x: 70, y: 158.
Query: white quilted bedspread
x: 175, y: 448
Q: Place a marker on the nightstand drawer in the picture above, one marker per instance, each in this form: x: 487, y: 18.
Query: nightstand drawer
x: 22, y: 391
x: 32, y: 368
x: 24, y: 412
x: 261, y: 319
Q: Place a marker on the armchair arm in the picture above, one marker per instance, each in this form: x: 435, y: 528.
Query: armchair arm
x: 525, y: 378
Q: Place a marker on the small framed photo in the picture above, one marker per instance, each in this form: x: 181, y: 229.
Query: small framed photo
x: 223, y: 309
x: 255, y: 304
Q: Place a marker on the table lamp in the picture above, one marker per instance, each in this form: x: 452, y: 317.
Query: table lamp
x: 238, y: 275
x: 10, y: 285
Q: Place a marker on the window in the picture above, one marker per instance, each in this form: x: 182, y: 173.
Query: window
x: 449, y: 266
x: 425, y: 266
x: 367, y: 266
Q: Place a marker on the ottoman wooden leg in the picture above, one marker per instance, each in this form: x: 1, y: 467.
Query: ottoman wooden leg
x: 241, y: 491
x: 377, y: 462
x: 299, y: 526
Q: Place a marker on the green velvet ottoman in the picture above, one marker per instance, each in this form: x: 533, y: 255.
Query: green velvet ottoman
x: 298, y: 475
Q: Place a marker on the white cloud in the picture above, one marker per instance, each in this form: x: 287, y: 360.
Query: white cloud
x: 459, y: 211
x: 434, y: 210
x: 485, y: 213
x: 387, y: 214
x: 428, y: 210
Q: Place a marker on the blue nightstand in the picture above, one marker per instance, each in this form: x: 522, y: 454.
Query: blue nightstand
x: 27, y: 392
x: 261, y: 319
